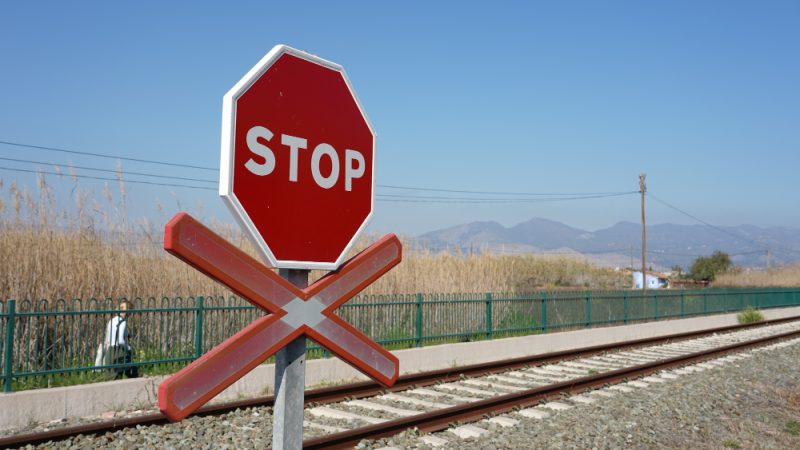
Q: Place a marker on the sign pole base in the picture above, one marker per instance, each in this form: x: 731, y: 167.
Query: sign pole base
x: 290, y: 380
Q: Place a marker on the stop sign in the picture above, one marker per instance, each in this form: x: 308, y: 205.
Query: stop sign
x: 297, y: 160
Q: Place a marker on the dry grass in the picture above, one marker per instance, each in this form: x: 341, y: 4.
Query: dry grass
x: 784, y: 276
x: 87, y: 247
x: 422, y: 271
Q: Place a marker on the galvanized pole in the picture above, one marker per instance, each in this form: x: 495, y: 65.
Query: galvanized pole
x: 290, y: 380
x: 643, y: 189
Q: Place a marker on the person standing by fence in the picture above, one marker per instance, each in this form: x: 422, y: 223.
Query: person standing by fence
x: 118, y: 350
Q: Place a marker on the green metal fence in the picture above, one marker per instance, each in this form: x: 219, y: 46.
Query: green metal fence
x: 47, y: 343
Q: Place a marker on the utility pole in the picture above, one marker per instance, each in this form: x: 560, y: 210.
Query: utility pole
x: 643, y: 189
x: 631, y: 252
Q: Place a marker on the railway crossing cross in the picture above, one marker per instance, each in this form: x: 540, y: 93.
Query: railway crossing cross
x: 292, y: 312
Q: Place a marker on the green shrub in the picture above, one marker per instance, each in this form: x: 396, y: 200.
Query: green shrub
x: 792, y: 427
x: 750, y: 315
x: 708, y: 267
x: 731, y: 443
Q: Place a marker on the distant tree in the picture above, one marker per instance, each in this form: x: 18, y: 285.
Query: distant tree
x: 677, y: 270
x: 706, y: 268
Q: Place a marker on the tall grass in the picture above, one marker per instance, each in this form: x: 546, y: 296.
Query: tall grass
x: 424, y: 271
x: 783, y: 276
x: 88, y: 247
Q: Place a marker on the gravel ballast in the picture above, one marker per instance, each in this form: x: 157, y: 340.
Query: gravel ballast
x: 753, y: 403
x: 749, y: 403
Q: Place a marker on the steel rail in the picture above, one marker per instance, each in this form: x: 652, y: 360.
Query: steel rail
x: 441, y: 419
x: 369, y: 388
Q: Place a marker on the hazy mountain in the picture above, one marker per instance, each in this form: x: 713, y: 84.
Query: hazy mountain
x: 619, y: 245
x: 545, y: 234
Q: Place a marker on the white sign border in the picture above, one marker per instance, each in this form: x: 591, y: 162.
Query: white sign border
x: 227, y: 146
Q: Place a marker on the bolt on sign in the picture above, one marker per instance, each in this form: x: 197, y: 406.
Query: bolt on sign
x: 297, y: 172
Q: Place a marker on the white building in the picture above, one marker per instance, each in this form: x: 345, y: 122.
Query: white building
x: 653, y: 281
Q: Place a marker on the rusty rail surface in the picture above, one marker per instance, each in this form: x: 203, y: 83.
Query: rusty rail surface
x: 435, y: 420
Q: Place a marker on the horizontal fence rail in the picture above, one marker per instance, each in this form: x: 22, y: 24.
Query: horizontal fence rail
x: 50, y: 343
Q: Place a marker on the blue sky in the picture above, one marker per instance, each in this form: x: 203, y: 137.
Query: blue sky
x: 530, y: 97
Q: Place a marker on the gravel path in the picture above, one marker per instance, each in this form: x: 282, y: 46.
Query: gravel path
x: 750, y: 403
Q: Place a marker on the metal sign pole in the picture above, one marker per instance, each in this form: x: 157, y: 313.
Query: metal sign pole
x: 290, y: 380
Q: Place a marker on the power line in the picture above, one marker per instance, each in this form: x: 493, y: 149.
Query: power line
x: 577, y: 195
x: 721, y: 230
x: 433, y: 199
x: 101, y: 155
x: 554, y: 197
x: 121, y: 172
x: 110, y: 179
x: 379, y: 197
x: 387, y: 197
x: 660, y: 252
x: 458, y: 191
x: 766, y: 248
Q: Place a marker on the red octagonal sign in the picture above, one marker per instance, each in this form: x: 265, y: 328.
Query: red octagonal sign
x: 298, y: 157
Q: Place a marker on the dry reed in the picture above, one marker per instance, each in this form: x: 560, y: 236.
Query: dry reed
x: 85, y: 247
x: 783, y: 276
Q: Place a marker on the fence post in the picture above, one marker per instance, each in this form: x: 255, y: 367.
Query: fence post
x: 488, y: 315
x: 8, y: 353
x: 682, y: 310
x: 655, y: 307
x: 588, y: 309
x: 198, y: 329
x: 419, y: 320
x: 705, y: 303
x: 544, y: 312
x: 625, y: 307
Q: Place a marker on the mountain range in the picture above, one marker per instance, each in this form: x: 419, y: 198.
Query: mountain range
x: 668, y: 245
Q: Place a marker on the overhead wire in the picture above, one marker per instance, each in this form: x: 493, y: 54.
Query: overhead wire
x: 96, y: 169
x: 380, y: 197
x: 152, y: 183
x: 445, y: 199
x: 721, y: 230
x: 103, y: 155
x: 764, y: 247
x: 459, y: 191
x: 385, y: 197
x: 619, y: 251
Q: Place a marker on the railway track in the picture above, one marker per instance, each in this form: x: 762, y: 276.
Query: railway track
x: 340, y: 417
